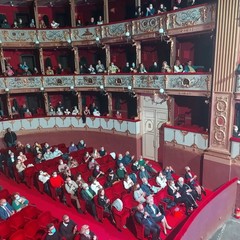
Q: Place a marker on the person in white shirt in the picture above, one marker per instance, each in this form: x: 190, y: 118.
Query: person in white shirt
x: 75, y: 111
x: 54, y: 24
x: 57, y: 152
x: 44, y: 178
x: 96, y: 112
x: 178, y: 67
x: 128, y: 182
x: 48, y: 155
x: 95, y: 186
x: 59, y: 111
x: 161, y: 180
x: 67, y: 112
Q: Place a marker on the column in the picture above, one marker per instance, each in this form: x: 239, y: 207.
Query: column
x: 76, y: 60
x: 110, y: 108
x: 106, y: 11
x: 217, y: 158
x: 72, y: 12
x: 41, y: 61
x: 46, y: 103
x: 79, y: 96
x: 35, y: 10
x: 173, y: 50
x: 3, y: 67
x: 138, y: 52
x: 9, y: 108
x: 108, y: 55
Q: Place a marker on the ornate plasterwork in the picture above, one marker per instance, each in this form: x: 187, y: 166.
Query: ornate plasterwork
x: 89, y: 81
x: 220, y: 121
x: 146, y: 25
x: 118, y: 81
x: 115, y: 30
x: 23, y: 82
x: 88, y: 33
x: 149, y: 81
x: 53, y: 35
x: 18, y: 35
x: 191, y: 82
x: 58, y: 81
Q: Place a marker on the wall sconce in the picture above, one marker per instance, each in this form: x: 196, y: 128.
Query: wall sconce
x: 103, y: 92
x: 98, y: 41
x: 11, y: 4
x: 101, y: 87
x: 129, y: 88
x: 131, y: 92
x: 42, y: 89
x: 71, y: 88
x: 6, y: 90
x: 69, y: 41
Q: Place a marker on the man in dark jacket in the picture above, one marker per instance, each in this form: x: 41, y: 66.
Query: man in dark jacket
x: 68, y: 228
x: 10, y: 138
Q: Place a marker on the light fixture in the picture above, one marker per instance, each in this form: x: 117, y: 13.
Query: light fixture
x: 163, y: 35
x: 11, y: 4
x: 51, y: 4
x: 69, y: 40
x: 37, y: 42
x: 6, y: 89
x: 131, y: 92
x: 71, y: 87
x: 101, y: 87
x: 41, y: 89
x: 129, y: 87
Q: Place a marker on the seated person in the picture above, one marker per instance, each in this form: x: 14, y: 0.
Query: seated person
x: 150, y: 10
x: 178, y: 67
x: 92, y: 163
x: 118, y: 114
x: 6, y: 209
x: 128, y: 183
x: 104, y: 202
x: 236, y: 133
x: 19, y: 202
x: 86, y: 234
x: 86, y: 111
x: 100, y: 67
x: 95, y: 154
x: 95, y: 185
x: 57, y: 152
x: 150, y: 226
x: 133, y: 68
x: 155, y: 213
x: 88, y: 194
x: 121, y: 171
x: 72, y: 148
x: 154, y: 68
x: 111, y: 178
x: 72, y: 163
x: 138, y: 194
x: 52, y: 233
x: 27, y: 113
x: 42, y: 24
x: 146, y: 164
x: 39, y: 158
x: 54, y: 24
x: 96, y: 113
x: 102, y: 152
x: 75, y: 111
x: 162, y: 8
x: 191, y: 68
x: 49, y: 71
x: 144, y: 173
x: 59, y: 111
x: 79, y: 23
x: 148, y: 188
x: 51, y: 111
x: 91, y: 69
x: 22, y: 157
x: 59, y: 69
x: 44, y: 178
x: 48, y: 155
x: 81, y: 145
x: 9, y: 71
x: 63, y: 168
x: 161, y: 180
x: 20, y: 166
x: 97, y: 172
x: 166, y: 68
x: 113, y: 69
x: 68, y: 228
x: 20, y: 147
x: 126, y: 68
x: 141, y: 68
x: 168, y: 171
x: 67, y: 112
x: 100, y: 21
x: 79, y: 180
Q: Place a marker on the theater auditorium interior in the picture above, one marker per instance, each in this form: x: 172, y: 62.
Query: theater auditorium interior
x: 117, y: 95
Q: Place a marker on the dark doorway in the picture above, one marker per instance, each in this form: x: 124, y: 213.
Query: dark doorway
x: 34, y: 101
x: 30, y: 61
x: 67, y: 62
x: 63, y: 19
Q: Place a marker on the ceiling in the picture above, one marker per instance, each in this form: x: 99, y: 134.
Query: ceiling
x: 56, y: 3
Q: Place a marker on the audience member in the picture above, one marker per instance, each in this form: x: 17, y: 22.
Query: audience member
x: 88, y: 194
x: 155, y: 213
x: 126, y: 68
x: 92, y: 163
x: 6, y: 209
x: 20, y: 23
x: 44, y: 178
x: 141, y: 68
x: 128, y: 182
x: 56, y: 181
x: 168, y: 171
x: 162, y: 8
x: 118, y: 115
x: 49, y: 71
x: 95, y: 154
x: 92, y: 21
x: 57, y: 152
x: 59, y: 69
x: 75, y: 111
x: 191, y: 68
x: 9, y: 71
x: 48, y: 155
x: 165, y: 67
x: 148, y: 188
x: 67, y: 112
x: 133, y: 68
x: 79, y: 23
x: 150, y: 226
x: 72, y: 148
x: 67, y: 228
x: 5, y: 24
x: 161, y: 180
x: 113, y: 68
x: 100, y: 67
x: 72, y: 163
x: 91, y: 69
x: 150, y: 10
x: 154, y: 68
x: 20, y: 166
x: 138, y: 194
x: 32, y: 23
x: 177, y: 68
x: 72, y: 188
x: 236, y: 133
x: 52, y: 233
x: 15, y: 24
x: 102, y: 152
x: 97, y: 172
x: 10, y: 138
x: 100, y: 21
x: 146, y: 165
x: 86, y: 234
x: 19, y: 202
x: 54, y: 24
x: 42, y: 24
x: 63, y: 168
x: 81, y: 145
x: 95, y: 185
x: 111, y: 178
x: 143, y: 173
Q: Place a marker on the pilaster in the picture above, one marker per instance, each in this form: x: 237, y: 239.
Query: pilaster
x: 72, y: 12
x: 106, y: 11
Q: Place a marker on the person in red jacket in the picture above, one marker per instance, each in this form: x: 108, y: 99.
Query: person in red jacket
x: 56, y: 181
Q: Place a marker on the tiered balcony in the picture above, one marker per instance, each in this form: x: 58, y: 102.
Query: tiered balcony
x: 198, y: 84
x: 194, y: 19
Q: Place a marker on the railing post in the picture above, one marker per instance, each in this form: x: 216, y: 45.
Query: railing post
x: 35, y: 9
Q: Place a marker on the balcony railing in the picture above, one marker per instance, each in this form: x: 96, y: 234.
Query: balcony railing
x: 195, y: 19
x: 198, y: 82
x: 238, y: 84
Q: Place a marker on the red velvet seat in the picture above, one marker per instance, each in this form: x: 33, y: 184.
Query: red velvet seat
x: 128, y: 201
x: 18, y: 235
x: 99, y: 209
x: 17, y: 220
x: 118, y: 189
x: 29, y: 176
x: 30, y: 212
x: 5, y: 230
x: 139, y: 228
x: 31, y: 228
x: 120, y: 217
x: 45, y: 218
x: 5, y: 194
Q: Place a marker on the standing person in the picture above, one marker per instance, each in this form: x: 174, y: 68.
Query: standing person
x: 10, y: 138
x: 67, y: 228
